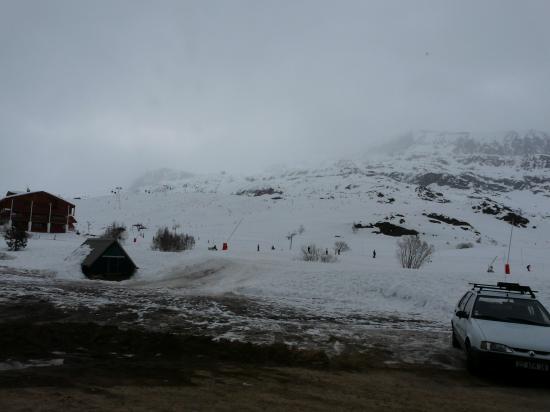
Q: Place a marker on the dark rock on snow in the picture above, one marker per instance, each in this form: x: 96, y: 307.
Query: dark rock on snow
x: 447, y: 219
x: 387, y: 228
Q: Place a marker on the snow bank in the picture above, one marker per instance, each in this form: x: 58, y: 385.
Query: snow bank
x: 71, y: 267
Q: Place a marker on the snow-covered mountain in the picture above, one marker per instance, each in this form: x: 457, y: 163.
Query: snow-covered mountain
x: 455, y: 187
x: 459, y: 160
x: 494, y: 163
x: 452, y: 197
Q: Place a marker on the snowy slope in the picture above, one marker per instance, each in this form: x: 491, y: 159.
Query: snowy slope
x: 326, y: 201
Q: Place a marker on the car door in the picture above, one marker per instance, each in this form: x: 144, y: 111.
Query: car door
x: 460, y: 324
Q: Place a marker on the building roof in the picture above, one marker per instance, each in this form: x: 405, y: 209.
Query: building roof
x: 97, y: 247
x: 35, y: 192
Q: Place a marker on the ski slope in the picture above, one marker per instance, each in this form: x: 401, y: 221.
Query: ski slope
x: 261, y: 211
x: 355, y: 284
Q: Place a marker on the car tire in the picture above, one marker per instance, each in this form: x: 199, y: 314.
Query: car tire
x: 472, y: 361
x: 455, y: 342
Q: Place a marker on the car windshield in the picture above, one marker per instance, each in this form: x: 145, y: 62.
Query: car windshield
x: 508, y: 309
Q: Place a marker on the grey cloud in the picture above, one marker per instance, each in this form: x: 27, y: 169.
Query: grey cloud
x: 93, y: 93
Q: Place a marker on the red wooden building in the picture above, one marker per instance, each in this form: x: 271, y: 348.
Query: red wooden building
x: 37, y: 212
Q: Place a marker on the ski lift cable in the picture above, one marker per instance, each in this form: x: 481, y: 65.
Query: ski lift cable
x: 493, y: 262
x: 235, y: 229
x: 509, y: 244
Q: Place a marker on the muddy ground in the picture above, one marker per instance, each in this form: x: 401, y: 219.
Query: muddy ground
x: 79, y: 346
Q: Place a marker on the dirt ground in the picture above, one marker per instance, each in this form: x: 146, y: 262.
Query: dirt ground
x: 60, y: 353
x: 106, y: 368
x: 228, y: 387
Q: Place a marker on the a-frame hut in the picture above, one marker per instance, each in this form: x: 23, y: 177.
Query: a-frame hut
x: 107, y: 260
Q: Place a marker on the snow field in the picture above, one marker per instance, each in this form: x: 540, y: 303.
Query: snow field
x: 355, y: 285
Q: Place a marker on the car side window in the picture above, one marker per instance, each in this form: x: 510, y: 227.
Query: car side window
x: 463, y: 301
x: 470, y: 304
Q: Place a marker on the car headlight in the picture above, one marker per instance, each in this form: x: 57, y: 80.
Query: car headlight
x: 495, y: 347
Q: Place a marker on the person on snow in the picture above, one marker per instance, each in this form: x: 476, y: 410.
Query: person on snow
x: 374, y: 254
x: 258, y: 248
x: 528, y: 268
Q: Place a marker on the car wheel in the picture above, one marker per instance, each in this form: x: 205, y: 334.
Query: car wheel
x: 472, y: 361
x: 456, y: 343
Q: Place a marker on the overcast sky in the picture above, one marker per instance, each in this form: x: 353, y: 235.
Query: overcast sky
x: 92, y: 93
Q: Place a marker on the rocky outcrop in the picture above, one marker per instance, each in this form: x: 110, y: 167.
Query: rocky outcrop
x: 538, y: 161
x: 438, y: 218
x: 447, y: 219
x: 259, y: 192
x: 513, y: 144
x: 515, y: 219
x: 426, y: 193
x: 501, y: 212
x: 466, y: 181
x: 486, y: 160
x: 387, y: 228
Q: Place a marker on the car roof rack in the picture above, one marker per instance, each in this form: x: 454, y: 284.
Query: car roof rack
x: 505, y: 287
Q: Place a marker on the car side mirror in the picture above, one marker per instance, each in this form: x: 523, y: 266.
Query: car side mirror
x: 461, y: 314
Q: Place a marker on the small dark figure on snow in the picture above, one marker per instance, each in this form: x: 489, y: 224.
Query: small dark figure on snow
x: 326, y: 251
x: 374, y: 254
x: 272, y: 247
x: 258, y: 248
x: 338, y: 252
x: 490, y: 269
x: 528, y: 268
x: 308, y: 249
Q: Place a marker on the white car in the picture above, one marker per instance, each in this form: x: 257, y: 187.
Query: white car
x: 502, y: 325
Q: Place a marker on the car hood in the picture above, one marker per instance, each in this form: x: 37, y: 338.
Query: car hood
x: 516, y: 335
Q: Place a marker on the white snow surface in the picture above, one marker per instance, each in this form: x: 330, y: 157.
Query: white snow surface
x: 207, y: 208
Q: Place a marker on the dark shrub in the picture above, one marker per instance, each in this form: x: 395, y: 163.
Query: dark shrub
x: 413, y: 252
x: 310, y: 253
x: 341, y: 246
x: 115, y: 231
x: 167, y: 241
x: 16, y: 238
